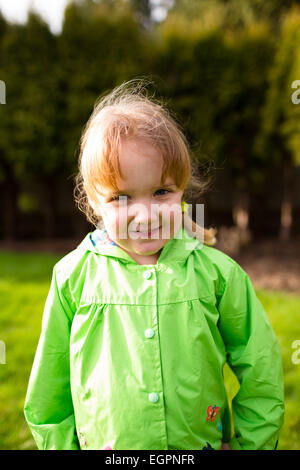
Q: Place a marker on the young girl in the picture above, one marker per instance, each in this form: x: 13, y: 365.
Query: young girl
x: 143, y: 315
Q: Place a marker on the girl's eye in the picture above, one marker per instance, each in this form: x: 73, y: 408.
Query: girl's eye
x: 116, y: 198
x: 162, y: 190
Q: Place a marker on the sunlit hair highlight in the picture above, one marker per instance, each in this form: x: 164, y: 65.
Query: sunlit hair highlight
x: 128, y: 113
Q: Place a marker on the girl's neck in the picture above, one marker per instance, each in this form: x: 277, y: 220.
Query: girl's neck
x: 140, y: 259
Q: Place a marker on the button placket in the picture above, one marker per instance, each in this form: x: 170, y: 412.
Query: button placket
x: 153, y: 397
x: 149, y: 333
x: 147, y: 274
x: 156, y: 396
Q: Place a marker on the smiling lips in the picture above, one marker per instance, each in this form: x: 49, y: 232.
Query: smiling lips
x: 148, y: 233
x: 154, y: 230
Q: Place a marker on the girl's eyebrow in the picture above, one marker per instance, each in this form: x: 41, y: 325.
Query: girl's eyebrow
x: 156, y: 187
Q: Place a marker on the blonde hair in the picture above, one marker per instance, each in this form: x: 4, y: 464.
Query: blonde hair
x: 127, y: 112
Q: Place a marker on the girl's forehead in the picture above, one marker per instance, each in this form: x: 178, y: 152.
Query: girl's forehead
x: 138, y: 153
x: 140, y: 162
x: 137, y: 144
x: 129, y: 186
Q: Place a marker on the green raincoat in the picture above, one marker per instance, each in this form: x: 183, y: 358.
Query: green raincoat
x: 131, y: 356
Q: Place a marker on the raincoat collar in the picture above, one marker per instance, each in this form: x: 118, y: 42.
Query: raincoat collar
x: 177, y: 249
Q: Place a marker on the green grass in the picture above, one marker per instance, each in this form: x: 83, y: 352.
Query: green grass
x: 283, y: 312
x: 24, y: 284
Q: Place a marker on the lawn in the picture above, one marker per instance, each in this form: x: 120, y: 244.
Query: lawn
x: 24, y: 284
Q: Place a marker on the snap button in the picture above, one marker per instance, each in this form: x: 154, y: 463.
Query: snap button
x: 147, y: 274
x: 153, y: 397
x: 149, y: 333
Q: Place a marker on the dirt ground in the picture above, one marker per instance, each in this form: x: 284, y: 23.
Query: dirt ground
x: 272, y: 265
x: 269, y: 264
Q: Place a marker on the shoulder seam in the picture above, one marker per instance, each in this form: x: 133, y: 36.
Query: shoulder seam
x: 234, y: 265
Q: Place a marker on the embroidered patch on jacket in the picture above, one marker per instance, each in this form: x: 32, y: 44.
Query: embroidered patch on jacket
x: 212, y: 412
x: 81, y: 439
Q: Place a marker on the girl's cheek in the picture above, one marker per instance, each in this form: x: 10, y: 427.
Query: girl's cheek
x: 171, y: 216
x: 118, y: 223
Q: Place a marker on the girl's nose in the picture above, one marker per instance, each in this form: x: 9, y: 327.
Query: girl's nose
x: 145, y: 217
x: 146, y: 225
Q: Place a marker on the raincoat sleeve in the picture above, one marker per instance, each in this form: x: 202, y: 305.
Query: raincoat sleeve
x: 48, y: 405
x: 253, y: 354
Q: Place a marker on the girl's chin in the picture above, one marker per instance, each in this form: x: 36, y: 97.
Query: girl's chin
x: 146, y: 247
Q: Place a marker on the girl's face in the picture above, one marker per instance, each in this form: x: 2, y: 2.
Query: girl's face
x: 144, y: 215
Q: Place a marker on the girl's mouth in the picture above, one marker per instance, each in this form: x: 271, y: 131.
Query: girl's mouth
x: 149, y: 234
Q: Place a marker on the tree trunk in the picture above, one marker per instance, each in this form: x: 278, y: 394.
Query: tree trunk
x: 51, y: 207
x: 240, y: 214
x: 286, y: 218
x: 9, y: 209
